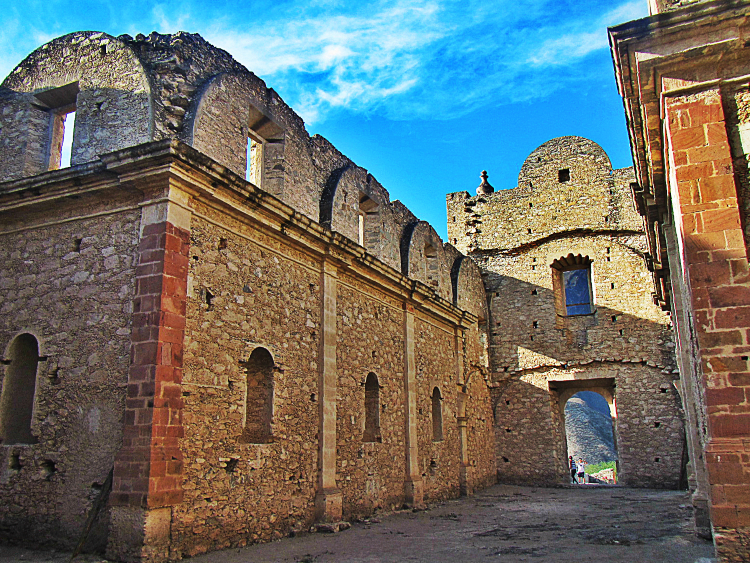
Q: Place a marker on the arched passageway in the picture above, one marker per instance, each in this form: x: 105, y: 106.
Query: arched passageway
x: 589, y: 433
x: 589, y: 422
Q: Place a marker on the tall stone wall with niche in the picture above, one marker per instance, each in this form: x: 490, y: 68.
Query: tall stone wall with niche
x: 68, y: 281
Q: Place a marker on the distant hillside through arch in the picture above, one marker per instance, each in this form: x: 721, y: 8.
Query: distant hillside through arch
x: 588, y: 426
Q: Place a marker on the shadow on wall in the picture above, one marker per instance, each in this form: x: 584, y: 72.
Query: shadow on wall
x: 542, y: 358
x: 530, y: 333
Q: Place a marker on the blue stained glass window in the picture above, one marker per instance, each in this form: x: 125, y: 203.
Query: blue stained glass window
x: 577, y: 292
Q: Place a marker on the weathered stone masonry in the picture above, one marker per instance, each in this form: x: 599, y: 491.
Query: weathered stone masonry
x: 683, y: 74
x: 244, y: 369
x: 263, y: 343
x: 571, y: 208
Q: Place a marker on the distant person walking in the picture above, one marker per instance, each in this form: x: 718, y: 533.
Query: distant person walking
x: 581, y: 471
x: 573, y: 468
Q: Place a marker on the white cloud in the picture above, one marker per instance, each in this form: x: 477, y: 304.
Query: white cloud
x: 411, y: 59
x: 569, y: 48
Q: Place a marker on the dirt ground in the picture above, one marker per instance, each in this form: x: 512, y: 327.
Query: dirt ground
x: 503, y: 523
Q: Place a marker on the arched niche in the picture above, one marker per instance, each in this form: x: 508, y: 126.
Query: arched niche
x: 228, y: 124
x: 259, y: 395
x: 423, y: 258
x: 19, y: 390
x: 437, y: 415
x: 90, y: 73
x: 372, y: 409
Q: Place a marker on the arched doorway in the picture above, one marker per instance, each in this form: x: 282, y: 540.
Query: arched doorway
x: 590, y: 436
x: 588, y: 416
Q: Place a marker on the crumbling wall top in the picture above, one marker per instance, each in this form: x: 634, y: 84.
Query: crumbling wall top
x: 127, y: 91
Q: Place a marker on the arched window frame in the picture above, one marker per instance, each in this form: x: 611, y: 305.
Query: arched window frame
x: 18, y: 396
x: 568, y: 303
x: 257, y: 427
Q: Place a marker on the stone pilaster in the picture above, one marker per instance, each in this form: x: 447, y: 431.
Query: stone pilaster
x: 464, y: 468
x: 328, y: 500
x: 148, y: 468
x: 413, y: 486
x: 705, y: 201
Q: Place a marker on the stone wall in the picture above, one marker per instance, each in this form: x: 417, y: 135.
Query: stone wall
x: 67, y: 280
x: 570, y: 202
x: 131, y: 90
x: 686, y: 106
x: 111, y: 98
x: 264, y: 295
x: 213, y: 270
x: 370, y: 340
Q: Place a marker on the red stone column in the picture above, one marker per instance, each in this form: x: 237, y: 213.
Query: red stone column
x: 702, y: 172
x: 148, y: 468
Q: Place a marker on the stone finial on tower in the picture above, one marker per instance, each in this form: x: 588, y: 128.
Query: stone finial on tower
x: 484, y: 187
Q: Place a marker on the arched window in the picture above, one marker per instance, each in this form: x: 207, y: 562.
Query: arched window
x: 571, y: 281
x: 372, y: 409
x: 258, y: 397
x: 437, y: 416
x: 19, y: 387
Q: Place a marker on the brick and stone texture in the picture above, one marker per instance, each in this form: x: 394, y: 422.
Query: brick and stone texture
x: 147, y: 478
x: 237, y: 492
x: 716, y: 253
x: 539, y: 355
x: 687, y: 110
x: 205, y: 281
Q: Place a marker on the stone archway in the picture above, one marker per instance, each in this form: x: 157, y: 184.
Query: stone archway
x: 565, y: 390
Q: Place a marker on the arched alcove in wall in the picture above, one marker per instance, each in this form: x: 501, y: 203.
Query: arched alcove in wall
x: 258, y: 417
x: 95, y: 75
x: 19, y: 390
x: 372, y: 409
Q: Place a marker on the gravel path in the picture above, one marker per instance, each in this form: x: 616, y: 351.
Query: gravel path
x: 503, y: 523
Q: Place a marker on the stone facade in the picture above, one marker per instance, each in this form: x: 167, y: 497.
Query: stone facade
x: 683, y: 75
x: 570, y: 203
x: 246, y: 358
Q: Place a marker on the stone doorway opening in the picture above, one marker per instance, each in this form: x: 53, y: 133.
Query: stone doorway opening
x: 588, y: 417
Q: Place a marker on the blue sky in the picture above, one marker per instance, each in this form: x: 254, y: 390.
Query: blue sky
x: 423, y: 94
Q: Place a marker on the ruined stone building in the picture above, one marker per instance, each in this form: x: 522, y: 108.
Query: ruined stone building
x: 231, y: 324
x: 570, y: 309
x: 683, y: 74
x: 225, y: 313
